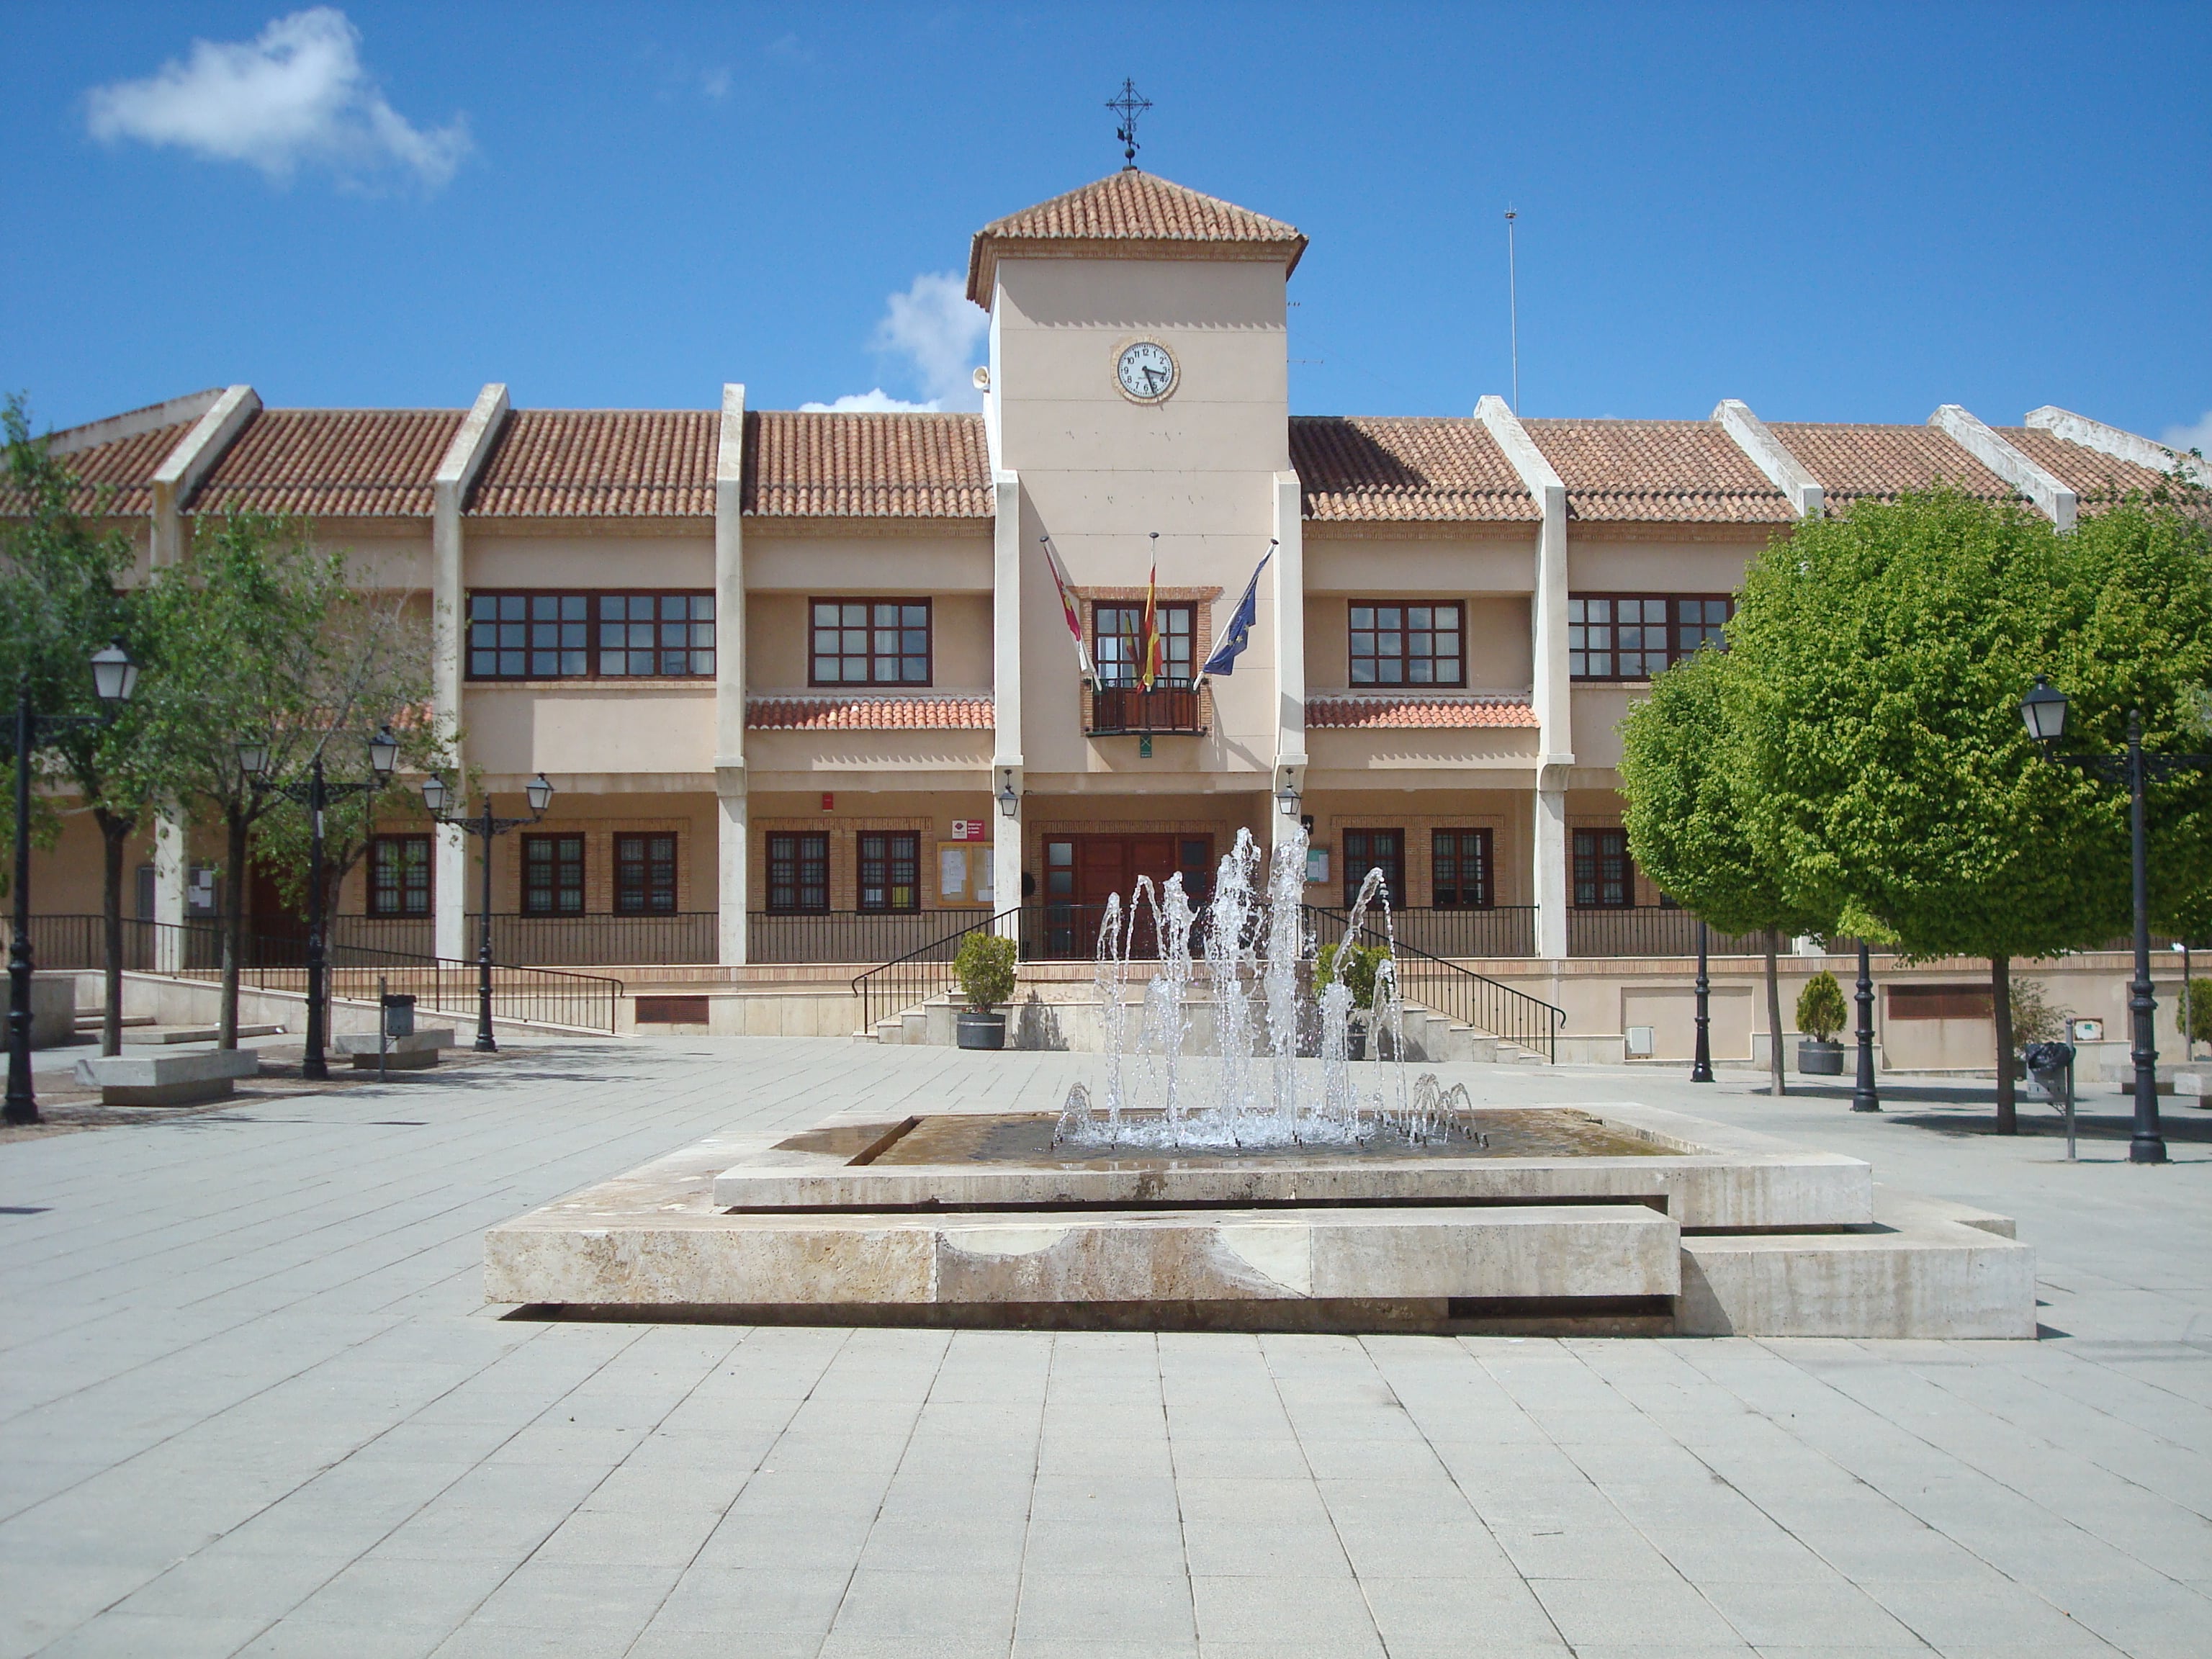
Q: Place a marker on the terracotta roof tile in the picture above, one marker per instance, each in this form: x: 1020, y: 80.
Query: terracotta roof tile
x: 1382, y: 468
x: 1167, y: 220
x: 858, y: 714
x: 896, y: 467
x: 2090, y: 474
x: 1657, y: 472
x: 123, y: 469
x: 600, y: 464
x: 1884, y: 461
x: 331, y: 463
x: 1366, y: 712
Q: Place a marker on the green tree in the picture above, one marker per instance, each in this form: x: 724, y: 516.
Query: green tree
x: 1683, y: 772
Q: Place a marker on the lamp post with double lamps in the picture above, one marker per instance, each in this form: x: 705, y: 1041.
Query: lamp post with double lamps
x: 486, y: 828
x: 2043, y: 710
x: 114, y: 676
x: 315, y: 792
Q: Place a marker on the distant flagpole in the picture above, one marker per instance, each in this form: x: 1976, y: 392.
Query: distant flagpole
x: 1151, y: 660
x: 1069, y: 610
x: 1236, y: 629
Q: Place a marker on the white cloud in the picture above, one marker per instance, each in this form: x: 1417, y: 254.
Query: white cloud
x: 877, y: 402
x: 935, y: 329
x: 2198, y: 436
x: 298, y: 96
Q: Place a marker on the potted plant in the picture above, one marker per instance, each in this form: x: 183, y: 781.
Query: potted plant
x: 1821, y: 1015
x: 985, y: 966
x: 1361, y: 963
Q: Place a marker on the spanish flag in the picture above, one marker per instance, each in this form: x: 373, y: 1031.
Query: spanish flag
x: 1151, y: 670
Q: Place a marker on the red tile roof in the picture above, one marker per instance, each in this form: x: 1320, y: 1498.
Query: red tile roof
x: 1132, y: 214
x: 1884, y: 461
x: 862, y: 714
x: 1657, y: 472
x: 2090, y: 474
x: 898, y: 467
x: 114, y: 478
x: 331, y: 463
x: 1366, y: 712
x: 1380, y: 468
x: 600, y: 464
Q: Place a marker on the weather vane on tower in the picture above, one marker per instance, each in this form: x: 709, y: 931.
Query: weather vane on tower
x: 1129, y: 106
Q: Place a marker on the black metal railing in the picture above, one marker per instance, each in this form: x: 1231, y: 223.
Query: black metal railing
x: 536, y: 995
x: 910, y: 981
x: 1116, y: 709
x: 1457, y: 993
x: 854, y: 936
x: 1504, y: 930
x: 1649, y: 930
x: 600, y: 941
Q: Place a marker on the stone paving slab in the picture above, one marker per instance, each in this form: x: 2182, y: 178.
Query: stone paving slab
x: 251, y: 1403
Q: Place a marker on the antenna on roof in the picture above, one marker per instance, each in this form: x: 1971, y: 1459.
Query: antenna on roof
x: 1129, y: 106
x: 1513, y: 306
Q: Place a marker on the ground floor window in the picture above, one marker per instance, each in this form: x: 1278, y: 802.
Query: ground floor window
x: 797, y: 873
x: 552, y: 875
x: 399, y: 876
x: 1460, y: 869
x: 1375, y: 849
x: 1603, y: 880
x: 645, y: 875
x: 890, y: 870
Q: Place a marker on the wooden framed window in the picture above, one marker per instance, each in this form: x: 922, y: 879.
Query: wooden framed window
x: 1375, y: 849
x: 544, y: 636
x: 1632, y: 636
x: 1604, y: 879
x: 1117, y: 643
x: 869, y: 642
x: 1460, y: 869
x: 645, y: 875
x: 797, y: 873
x: 1394, y: 644
x: 399, y: 876
x: 890, y: 870
x: 552, y: 875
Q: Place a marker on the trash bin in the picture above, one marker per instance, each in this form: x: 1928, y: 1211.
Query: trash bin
x: 399, y: 1014
x: 2048, y: 1064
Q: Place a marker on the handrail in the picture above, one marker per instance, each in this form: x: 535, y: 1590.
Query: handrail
x: 910, y: 981
x: 1463, y: 994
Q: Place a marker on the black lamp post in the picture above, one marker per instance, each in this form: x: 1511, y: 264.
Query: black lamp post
x: 315, y: 792
x: 1864, y: 1098
x: 1701, y: 1066
x: 2044, y: 709
x: 114, y: 677
x: 486, y: 828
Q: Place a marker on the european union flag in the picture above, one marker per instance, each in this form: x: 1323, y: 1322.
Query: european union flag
x: 1237, y: 633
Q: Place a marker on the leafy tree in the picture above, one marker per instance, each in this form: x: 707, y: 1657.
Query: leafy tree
x: 1683, y: 771
x: 1882, y: 659
x: 65, y: 593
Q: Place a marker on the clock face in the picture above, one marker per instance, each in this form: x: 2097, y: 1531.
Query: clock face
x: 1145, y: 371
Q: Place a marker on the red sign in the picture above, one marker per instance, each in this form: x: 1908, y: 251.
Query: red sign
x: 968, y: 829
x: 828, y: 802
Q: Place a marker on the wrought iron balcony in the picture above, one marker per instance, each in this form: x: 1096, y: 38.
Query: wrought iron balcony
x: 1116, y: 709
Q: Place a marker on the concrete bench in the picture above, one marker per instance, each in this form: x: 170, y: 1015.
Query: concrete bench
x: 418, y: 1048
x: 167, y: 1079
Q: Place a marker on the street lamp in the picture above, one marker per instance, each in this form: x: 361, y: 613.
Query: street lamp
x: 114, y: 677
x: 1701, y: 1061
x: 315, y: 792
x: 2044, y: 711
x: 486, y: 828
x: 1286, y: 800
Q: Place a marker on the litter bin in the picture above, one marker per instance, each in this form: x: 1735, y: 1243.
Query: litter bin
x: 2048, y: 1064
x: 399, y: 1014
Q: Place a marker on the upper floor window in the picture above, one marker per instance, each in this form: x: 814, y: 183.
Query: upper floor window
x: 1118, y: 643
x: 546, y: 635
x: 869, y: 642
x: 399, y: 876
x: 1408, y: 644
x: 1632, y: 636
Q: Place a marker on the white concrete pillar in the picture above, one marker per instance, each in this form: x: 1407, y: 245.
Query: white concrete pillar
x: 1290, y: 592
x: 179, y: 475
x: 1771, y: 456
x: 1551, y: 690
x: 2119, y: 444
x: 170, y: 876
x: 471, y: 448
x: 2052, y: 498
x: 1007, y: 693
x: 733, y: 866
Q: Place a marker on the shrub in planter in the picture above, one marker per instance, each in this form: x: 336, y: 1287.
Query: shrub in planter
x: 985, y: 967
x: 1359, y: 965
x: 1821, y: 1011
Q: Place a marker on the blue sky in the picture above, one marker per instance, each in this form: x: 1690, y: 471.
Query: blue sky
x: 1839, y: 214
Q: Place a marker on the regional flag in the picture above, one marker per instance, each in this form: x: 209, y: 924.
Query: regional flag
x: 1237, y: 633
x: 1068, y: 609
x: 1152, y: 659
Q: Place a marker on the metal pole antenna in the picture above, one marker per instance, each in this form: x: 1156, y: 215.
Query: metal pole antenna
x: 484, y: 1044
x: 2149, y: 1144
x: 312, y: 1064
x: 1701, y: 1067
x: 1513, y: 306
x: 23, y: 1105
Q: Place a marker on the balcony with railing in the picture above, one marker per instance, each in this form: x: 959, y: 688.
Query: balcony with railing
x: 1116, y: 710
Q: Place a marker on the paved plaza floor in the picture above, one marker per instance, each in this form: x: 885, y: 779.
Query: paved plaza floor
x: 252, y: 1402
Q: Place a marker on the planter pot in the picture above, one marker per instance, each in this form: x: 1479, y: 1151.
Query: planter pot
x: 974, y: 1030
x: 1820, y: 1059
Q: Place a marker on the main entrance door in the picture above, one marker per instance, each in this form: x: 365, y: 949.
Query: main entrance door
x: 1083, y: 871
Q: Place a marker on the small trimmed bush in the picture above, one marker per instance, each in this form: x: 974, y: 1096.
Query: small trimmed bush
x: 1821, y: 1010
x: 1361, y: 964
x: 985, y: 965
